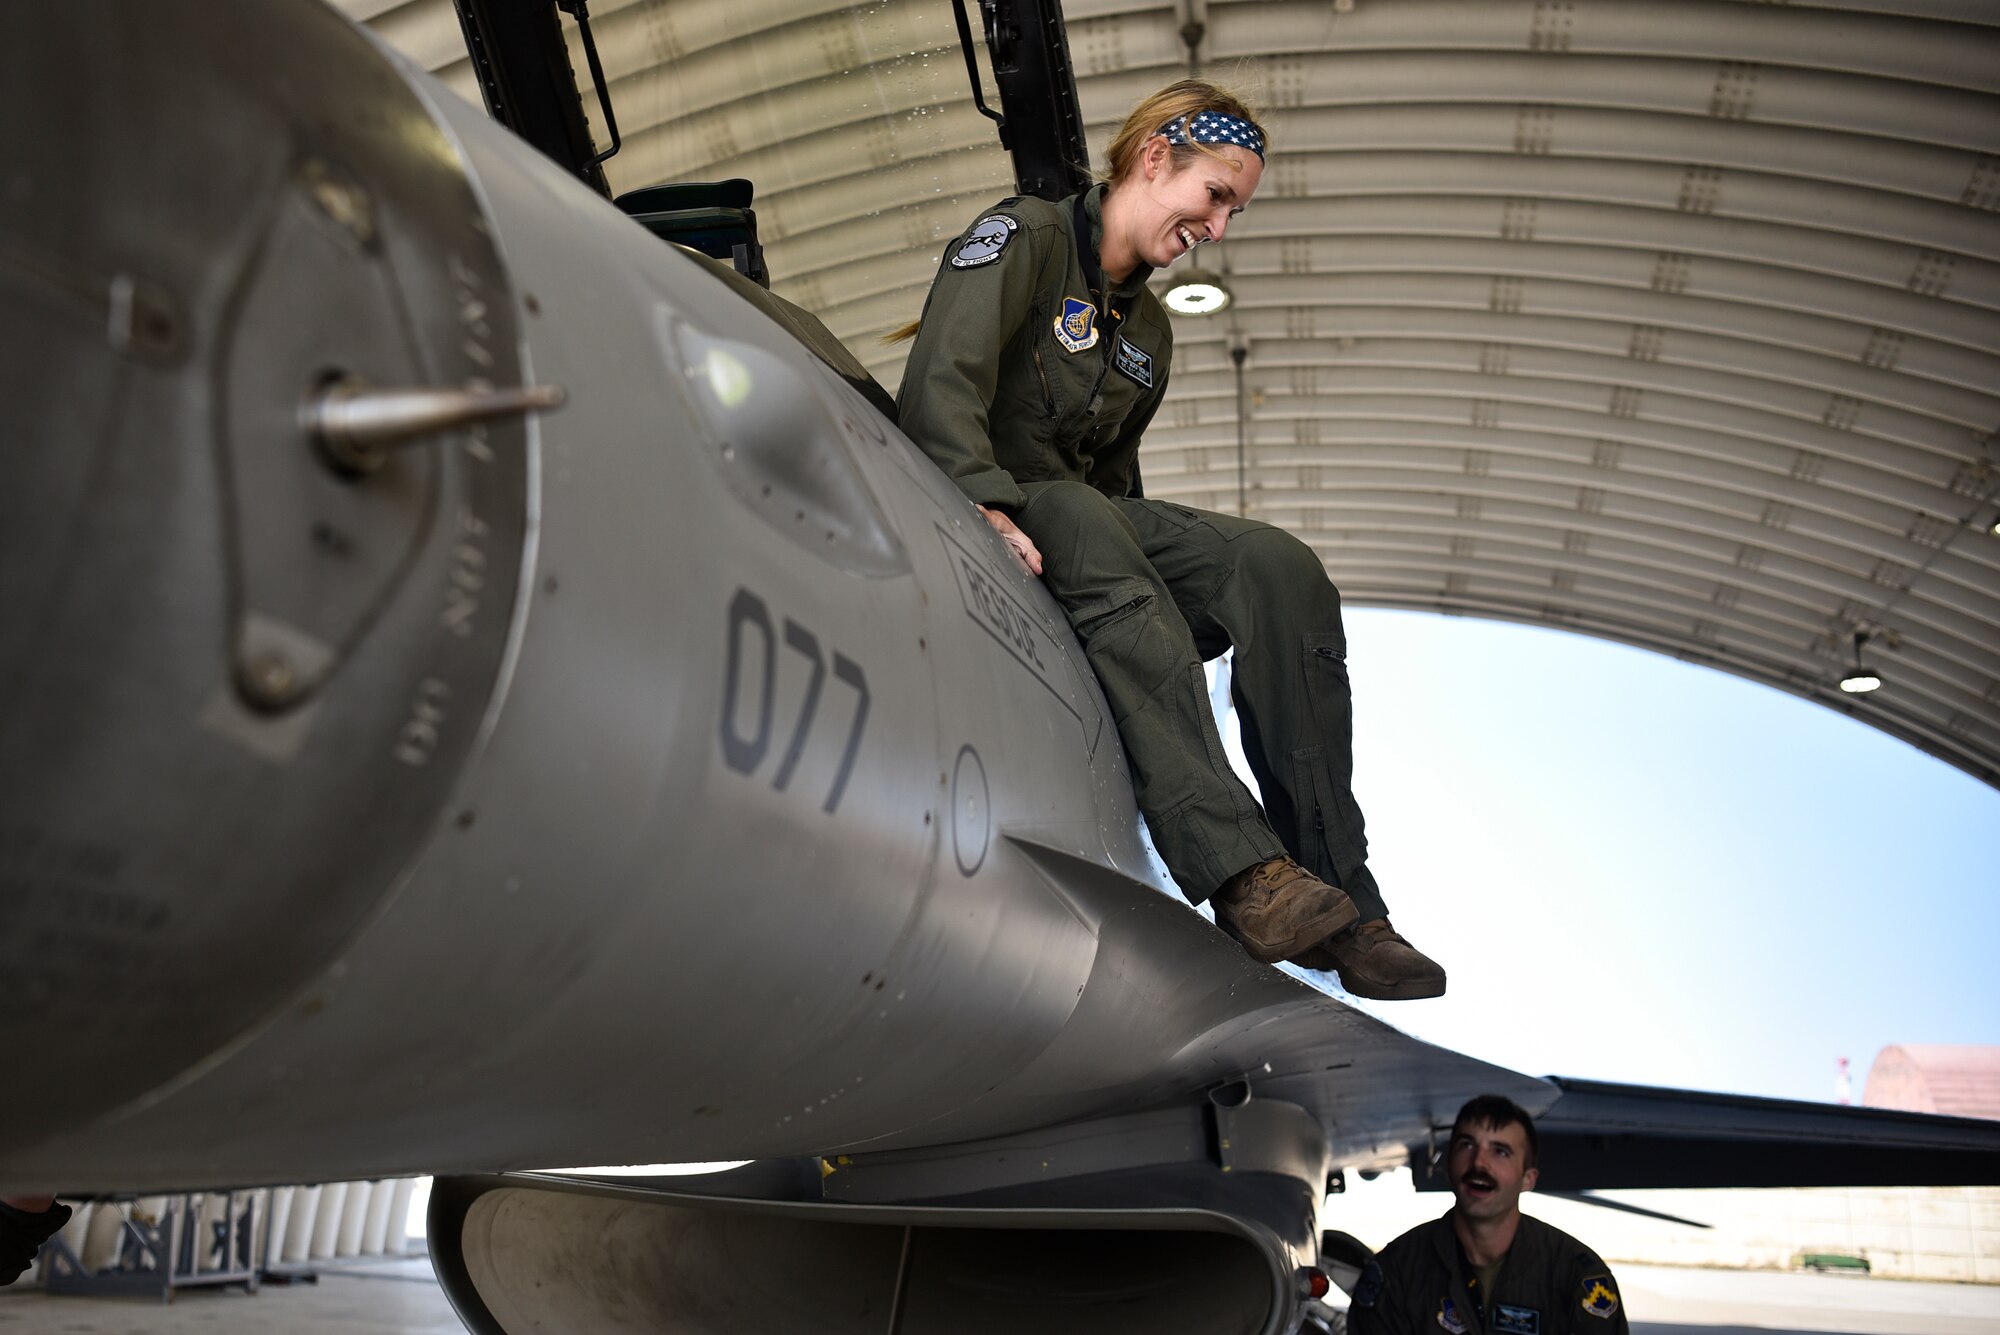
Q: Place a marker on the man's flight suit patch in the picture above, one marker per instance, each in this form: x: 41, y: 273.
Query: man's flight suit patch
x: 1516, y: 1320
x: 1076, y: 327
x: 983, y: 244
x: 1135, y: 365
x: 1449, y: 1318
x: 1599, y: 1299
x: 1369, y: 1287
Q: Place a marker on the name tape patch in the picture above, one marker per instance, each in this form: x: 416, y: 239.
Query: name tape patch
x: 1516, y: 1320
x: 983, y: 244
x: 1134, y: 364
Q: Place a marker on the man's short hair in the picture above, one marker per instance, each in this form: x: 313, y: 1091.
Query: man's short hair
x: 1498, y: 1112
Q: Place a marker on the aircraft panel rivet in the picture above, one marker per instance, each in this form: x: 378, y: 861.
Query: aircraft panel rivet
x: 269, y: 678
x: 142, y: 320
x: 345, y: 204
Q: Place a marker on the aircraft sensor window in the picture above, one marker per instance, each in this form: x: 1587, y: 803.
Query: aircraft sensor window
x: 769, y: 431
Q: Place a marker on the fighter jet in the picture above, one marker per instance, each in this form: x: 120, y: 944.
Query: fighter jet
x: 488, y: 689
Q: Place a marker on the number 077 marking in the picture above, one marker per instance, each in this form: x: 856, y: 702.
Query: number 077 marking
x: 749, y: 618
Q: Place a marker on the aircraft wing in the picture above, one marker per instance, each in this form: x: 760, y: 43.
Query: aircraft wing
x: 1598, y: 1134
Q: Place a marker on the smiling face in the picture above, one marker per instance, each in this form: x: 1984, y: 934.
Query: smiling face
x: 1488, y: 1169
x: 1171, y: 206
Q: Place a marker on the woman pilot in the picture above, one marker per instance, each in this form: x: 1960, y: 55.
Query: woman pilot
x: 1040, y: 358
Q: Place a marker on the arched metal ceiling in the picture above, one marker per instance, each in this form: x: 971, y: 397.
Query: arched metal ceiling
x: 1673, y: 324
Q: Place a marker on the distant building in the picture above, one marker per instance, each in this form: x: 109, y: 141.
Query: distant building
x: 1956, y: 1081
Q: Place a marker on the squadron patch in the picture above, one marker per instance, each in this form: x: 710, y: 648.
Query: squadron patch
x: 1368, y: 1288
x: 1516, y: 1320
x: 1600, y: 1297
x: 1135, y: 365
x: 1076, y: 326
x: 1449, y: 1318
x: 983, y: 244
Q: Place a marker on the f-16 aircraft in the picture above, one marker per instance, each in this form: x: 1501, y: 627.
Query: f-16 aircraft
x: 488, y: 689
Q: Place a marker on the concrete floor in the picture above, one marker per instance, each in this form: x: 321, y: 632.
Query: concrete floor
x: 1663, y: 1300
x: 401, y: 1298
x: 390, y: 1298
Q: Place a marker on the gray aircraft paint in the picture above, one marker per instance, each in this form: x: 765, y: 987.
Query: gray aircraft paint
x: 631, y: 929
x: 684, y: 773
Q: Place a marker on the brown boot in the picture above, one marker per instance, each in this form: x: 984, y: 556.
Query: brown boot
x: 1374, y: 961
x: 1278, y: 908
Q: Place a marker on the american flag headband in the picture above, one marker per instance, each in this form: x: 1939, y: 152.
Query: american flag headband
x: 1214, y: 127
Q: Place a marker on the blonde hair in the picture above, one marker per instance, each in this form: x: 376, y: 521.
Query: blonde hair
x: 1177, y: 102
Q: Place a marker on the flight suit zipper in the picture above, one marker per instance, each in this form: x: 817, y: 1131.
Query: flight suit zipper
x: 1109, y: 315
x: 1096, y: 399
x: 1041, y: 374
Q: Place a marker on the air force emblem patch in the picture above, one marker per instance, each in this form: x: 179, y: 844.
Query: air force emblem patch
x: 1368, y: 1289
x: 1076, y: 327
x: 1133, y: 364
x: 983, y: 244
x: 1449, y: 1318
x: 1600, y: 1297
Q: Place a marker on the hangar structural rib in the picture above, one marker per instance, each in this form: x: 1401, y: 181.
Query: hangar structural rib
x: 1678, y: 326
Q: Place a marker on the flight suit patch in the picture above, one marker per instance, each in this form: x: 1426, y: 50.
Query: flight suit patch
x: 1076, y: 326
x: 983, y: 244
x: 1600, y: 1296
x: 1449, y: 1318
x: 1135, y: 365
x: 1516, y: 1320
x: 1369, y: 1287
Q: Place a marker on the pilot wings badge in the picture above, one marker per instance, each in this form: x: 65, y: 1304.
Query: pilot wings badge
x: 983, y: 244
x: 1076, y: 327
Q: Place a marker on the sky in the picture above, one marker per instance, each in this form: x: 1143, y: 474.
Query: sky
x: 1636, y: 869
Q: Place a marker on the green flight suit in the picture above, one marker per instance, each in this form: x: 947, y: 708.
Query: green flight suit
x: 1547, y: 1284
x: 1031, y: 389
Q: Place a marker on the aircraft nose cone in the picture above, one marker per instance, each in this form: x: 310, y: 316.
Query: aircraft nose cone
x: 239, y: 683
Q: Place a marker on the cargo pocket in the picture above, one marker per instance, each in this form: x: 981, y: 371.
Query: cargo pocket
x: 1180, y: 517
x: 1329, y: 648
x: 1329, y: 699
x: 1112, y: 628
x: 1094, y: 617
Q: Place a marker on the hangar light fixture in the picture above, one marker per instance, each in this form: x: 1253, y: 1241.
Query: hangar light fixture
x: 1861, y: 680
x: 1197, y: 292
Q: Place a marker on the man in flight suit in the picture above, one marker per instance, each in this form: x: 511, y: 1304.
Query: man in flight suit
x: 1485, y: 1268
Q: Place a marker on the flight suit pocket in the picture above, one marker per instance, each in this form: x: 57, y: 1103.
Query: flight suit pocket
x: 1113, y: 626
x: 1044, y: 381
x: 1098, y: 616
x: 1070, y: 380
x: 1203, y: 525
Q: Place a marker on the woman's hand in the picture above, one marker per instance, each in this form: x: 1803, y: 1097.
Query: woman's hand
x: 1017, y: 542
